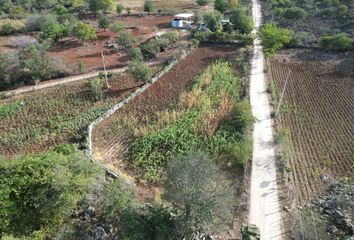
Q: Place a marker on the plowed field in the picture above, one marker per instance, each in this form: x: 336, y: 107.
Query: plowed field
x: 108, y: 147
x: 318, y: 110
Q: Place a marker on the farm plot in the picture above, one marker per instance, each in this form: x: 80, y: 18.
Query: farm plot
x: 318, y: 113
x: 109, y: 146
x: 37, y: 121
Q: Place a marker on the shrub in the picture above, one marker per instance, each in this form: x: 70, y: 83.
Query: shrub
x: 221, y: 5
x: 117, y: 199
x: 241, y: 21
x: 339, y: 43
x: 149, y: 6
x: 54, y: 31
x: 103, y: 21
x: 116, y: 26
x: 140, y: 71
x: 96, y: 87
x: 213, y: 20
x: 196, y: 186
x: 273, y: 38
x: 7, y: 29
x: 150, y: 50
x: 60, y: 10
x: 302, y: 39
x: 100, y: 5
x: 48, y: 186
x: 126, y: 40
x: 202, y: 2
x: 84, y: 32
x: 135, y: 54
x: 294, y: 14
x: 119, y: 8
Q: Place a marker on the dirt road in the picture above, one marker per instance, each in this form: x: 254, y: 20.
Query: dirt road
x: 264, y: 201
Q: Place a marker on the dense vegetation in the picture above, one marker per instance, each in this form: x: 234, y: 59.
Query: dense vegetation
x: 38, y: 193
x: 217, y: 99
x: 315, y: 23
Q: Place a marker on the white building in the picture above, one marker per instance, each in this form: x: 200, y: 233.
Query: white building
x: 182, y: 20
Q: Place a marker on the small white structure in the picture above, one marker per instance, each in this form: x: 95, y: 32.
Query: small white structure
x: 182, y: 20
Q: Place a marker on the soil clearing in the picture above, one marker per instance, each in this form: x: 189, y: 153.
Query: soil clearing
x: 318, y: 113
x: 108, y: 148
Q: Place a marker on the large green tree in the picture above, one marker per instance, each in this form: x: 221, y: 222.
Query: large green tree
x: 39, y: 192
x: 274, y: 38
x: 242, y: 21
x: 84, y: 32
x: 100, y: 5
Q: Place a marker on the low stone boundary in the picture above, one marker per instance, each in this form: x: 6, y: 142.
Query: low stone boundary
x: 120, y: 105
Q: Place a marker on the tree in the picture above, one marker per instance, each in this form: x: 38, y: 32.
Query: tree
x: 96, y: 87
x: 84, y: 32
x: 60, y: 10
x: 202, y: 2
x: 149, y: 6
x: 139, y: 71
x: 274, y: 38
x: 38, y: 193
x: 126, y: 40
x: 116, y: 26
x: 221, y: 5
x: 233, y: 4
x: 104, y: 22
x: 135, y: 54
x: 196, y: 186
x: 339, y: 43
x: 241, y: 21
x: 213, y: 20
x: 100, y: 5
x: 119, y: 8
x: 54, y: 31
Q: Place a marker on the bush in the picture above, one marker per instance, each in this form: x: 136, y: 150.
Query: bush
x: 196, y: 186
x: 202, y: 2
x: 48, y: 186
x: 135, y: 54
x: 54, y: 31
x: 60, y: 10
x: 126, y: 40
x: 96, y: 87
x: 242, y: 21
x: 84, y: 32
x: 294, y: 14
x: 338, y: 43
x: 7, y: 29
x: 221, y: 5
x: 116, y: 26
x: 149, y: 6
x: 139, y: 71
x: 150, y: 50
x: 119, y: 8
x: 103, y: 22
x: 117, y: 199
x: 302, y: 39
x: 274, y: 38
x: 213, y: 20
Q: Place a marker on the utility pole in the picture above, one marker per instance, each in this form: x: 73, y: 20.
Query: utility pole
x: 282, y: 94
x: 105, y: 71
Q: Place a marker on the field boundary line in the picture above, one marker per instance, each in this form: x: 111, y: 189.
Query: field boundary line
x: 58, y: 81
x: 119, y: 105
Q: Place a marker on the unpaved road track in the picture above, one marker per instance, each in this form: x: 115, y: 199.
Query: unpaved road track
x: 264, y: 201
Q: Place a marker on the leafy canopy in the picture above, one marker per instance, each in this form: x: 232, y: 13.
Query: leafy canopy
x: 274, y: 38
x: 39, y: 192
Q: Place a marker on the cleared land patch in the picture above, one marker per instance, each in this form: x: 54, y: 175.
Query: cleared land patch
x: 318, y: 113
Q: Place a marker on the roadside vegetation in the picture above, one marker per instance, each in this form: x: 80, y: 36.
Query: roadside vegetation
x: 326, y: 25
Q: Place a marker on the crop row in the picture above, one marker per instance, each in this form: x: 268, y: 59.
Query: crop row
x: 318, y: 111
